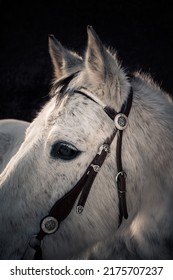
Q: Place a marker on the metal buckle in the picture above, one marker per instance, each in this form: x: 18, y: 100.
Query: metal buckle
x: 121, y: 173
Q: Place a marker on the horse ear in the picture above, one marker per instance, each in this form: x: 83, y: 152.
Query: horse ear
x: 100, y: 61
x: 64, y: 61
x: 95, y: 55
x: 103, y: 69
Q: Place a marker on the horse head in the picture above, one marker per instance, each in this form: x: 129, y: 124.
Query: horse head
x: 59, y: 146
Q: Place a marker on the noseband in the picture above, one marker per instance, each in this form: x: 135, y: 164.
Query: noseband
x: 62, y: 208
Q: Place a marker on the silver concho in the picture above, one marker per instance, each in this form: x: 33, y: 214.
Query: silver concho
x: 121, y: 121
x: 49, y: 225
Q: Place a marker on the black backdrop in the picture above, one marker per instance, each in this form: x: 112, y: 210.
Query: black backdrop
x: 141, y: 32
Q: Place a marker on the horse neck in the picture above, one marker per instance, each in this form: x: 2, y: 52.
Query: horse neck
x: 147, y: 155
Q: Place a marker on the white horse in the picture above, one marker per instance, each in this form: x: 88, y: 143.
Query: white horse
x: 61, y: 143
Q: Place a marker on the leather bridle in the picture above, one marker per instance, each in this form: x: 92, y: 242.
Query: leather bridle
x: 62, y: 208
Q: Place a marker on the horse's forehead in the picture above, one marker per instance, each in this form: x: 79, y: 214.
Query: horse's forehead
x: 76, y: 108
x: 76, y: 115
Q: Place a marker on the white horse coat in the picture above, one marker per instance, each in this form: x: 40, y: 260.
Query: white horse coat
x: 12, y: 134
x: 39, y: 174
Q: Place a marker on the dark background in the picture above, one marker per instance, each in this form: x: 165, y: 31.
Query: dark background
x: 141, y: 32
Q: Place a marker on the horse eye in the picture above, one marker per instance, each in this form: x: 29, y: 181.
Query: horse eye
x: 64, y: 151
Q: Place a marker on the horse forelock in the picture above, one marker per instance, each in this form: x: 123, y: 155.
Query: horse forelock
x: 59, y: 87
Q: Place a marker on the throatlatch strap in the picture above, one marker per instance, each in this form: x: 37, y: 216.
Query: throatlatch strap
x: 121, y: 180
x: 121, y: 176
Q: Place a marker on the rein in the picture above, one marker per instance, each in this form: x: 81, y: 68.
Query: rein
x: 62, y: 208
